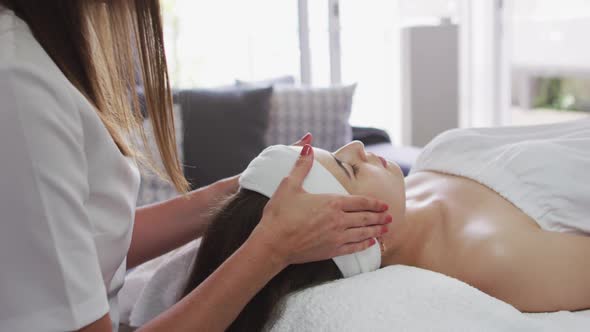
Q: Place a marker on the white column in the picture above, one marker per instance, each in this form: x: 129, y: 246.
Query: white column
x: 334, y: 30
x: 304, y: 49
x: 484, y: 64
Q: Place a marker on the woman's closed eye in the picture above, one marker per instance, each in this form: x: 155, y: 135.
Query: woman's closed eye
x: 354, y: 168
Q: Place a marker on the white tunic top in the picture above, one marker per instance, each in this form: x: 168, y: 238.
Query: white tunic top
x: 543, y: 170
x: 67, y: 196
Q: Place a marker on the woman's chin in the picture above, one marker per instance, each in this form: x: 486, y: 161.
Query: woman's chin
x: 395, y: 168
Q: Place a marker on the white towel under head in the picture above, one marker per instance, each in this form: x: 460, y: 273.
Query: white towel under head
x: 265, y: 173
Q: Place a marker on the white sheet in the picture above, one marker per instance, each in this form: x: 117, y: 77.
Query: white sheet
x: 398, y: 297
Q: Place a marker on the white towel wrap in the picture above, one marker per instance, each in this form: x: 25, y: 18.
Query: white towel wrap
x: 265, y: 173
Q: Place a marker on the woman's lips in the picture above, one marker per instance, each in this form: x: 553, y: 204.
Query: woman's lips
x: 383, y: 161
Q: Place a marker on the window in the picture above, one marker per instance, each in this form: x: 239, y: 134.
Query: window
x: 319, y: 42
x: 549, y: 60
x: 212, y: 43
x: 370, y: 58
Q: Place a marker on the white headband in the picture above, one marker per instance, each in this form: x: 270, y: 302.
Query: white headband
x: 264, y: 174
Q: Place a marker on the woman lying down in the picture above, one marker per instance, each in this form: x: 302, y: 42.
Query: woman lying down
x: 506, y: 210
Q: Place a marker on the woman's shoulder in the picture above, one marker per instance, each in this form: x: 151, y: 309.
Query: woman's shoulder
x: 23, y: 80
x: 444, y: 145
x: 26, y: 70
x: 36, y: 99
x: 36, y: 105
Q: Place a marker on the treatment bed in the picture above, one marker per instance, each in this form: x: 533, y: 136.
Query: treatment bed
x: 399, y: 297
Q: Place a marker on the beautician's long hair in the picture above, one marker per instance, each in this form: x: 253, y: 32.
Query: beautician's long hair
x: 229, y: 229
x: 100, y: 46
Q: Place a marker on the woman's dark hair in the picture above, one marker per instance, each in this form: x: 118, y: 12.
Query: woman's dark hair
x: 229, y: 229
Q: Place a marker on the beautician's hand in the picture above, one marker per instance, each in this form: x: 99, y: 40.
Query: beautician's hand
x: 306, y: 139
x: 300, y: 227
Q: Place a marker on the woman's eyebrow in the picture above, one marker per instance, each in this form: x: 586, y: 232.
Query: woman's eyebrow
x: 341, y: 166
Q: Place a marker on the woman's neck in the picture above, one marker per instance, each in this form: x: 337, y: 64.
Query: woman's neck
x: 406, y: 240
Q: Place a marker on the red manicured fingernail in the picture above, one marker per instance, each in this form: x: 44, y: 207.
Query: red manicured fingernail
x: 305, y: 137
x: 388, y: 219
x: 306, y: 149
x: 384, y: 229
x: 371, y: 242
x: 385, y: 207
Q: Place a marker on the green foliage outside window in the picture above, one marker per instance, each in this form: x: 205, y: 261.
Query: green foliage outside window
x: 563, y: 94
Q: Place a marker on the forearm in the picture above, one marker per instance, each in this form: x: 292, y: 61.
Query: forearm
x: 215, y: 304
x: 164, y: 226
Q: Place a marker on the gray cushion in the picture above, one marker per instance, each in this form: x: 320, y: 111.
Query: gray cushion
x: 280, y: 80
x: 223, y: 130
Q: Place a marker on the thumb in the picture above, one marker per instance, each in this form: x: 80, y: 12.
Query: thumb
x: 302, y: 166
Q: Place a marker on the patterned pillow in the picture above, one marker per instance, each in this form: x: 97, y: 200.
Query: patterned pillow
x: 324, y: 112
x: 152, y: 188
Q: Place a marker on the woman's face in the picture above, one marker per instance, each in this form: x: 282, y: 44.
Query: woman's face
x: 364, y: 173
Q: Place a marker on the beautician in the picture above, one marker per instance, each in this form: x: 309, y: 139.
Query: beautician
x: 69, y: 178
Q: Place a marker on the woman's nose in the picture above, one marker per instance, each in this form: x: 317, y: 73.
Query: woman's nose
x: 358, y: 149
